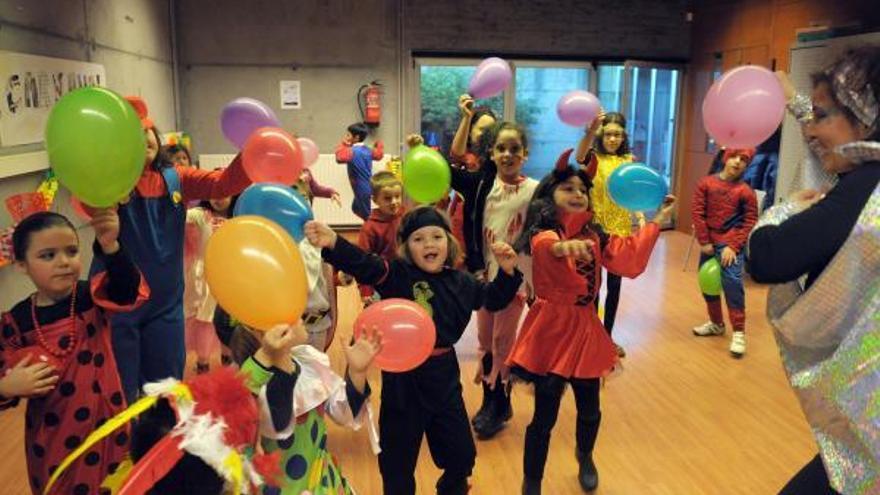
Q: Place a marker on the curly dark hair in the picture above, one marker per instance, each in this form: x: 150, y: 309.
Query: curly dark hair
x: 613, y: 118
x: 543, y: 214
x: 487, y: 142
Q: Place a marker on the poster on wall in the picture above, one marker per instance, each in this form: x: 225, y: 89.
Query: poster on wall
x: 290, y: 95
x: 30, y: 85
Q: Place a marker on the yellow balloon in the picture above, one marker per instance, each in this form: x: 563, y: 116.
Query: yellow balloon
x: 256, y: 273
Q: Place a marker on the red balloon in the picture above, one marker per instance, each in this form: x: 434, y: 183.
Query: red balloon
x: 408, y: 333
x: 272, y: 155
x: 81, y: 209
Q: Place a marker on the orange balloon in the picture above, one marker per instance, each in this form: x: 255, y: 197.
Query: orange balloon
x: 256, y: 273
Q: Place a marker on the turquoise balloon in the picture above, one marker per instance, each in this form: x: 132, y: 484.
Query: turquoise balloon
x: 710, y: 277
x: 276, y: 202
x: 426, y: 175
x: 637, y: 187
x: 96, y: 145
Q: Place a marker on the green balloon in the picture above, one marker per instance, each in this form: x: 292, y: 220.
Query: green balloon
x: 96, y: 145
x: 710, y: 277
x: 426, y: 175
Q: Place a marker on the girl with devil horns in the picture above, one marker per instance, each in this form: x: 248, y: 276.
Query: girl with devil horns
x: 562, y: 339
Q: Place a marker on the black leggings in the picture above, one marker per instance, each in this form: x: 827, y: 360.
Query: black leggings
x: 548, y: 395
x: 810, y: 480
x: 612, y: 299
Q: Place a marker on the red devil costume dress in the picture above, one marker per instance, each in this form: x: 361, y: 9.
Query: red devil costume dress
x: 562, y: 334
x: 562, y: 339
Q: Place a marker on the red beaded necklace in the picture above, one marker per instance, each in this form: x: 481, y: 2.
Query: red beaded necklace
x: 71, y: 330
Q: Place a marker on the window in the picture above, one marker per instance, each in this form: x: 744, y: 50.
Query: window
x: 610, y: 86
x: 439, y: 89
x: 651, y: 113
x: 646, y: 93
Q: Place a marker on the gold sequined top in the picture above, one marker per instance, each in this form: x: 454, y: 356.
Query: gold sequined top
x: 613, y: 219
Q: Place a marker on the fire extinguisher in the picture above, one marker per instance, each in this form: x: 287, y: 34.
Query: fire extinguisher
x: 370, y: 103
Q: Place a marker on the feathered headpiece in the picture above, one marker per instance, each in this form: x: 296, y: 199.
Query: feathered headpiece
x: 217, y: 418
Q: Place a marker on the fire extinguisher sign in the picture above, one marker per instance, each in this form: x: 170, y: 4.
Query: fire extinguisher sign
x: 291, y: 99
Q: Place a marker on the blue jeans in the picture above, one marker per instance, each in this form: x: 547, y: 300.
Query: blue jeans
x: 731, y: 279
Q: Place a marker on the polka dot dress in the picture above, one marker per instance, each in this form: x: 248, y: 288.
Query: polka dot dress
x: 308, y: 467
x: 88, y: 393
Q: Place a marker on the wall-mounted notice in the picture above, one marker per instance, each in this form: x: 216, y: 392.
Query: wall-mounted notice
x: 290, y: 95
x: 30, y: 85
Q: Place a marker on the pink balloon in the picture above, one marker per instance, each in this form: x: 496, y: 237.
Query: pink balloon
x: 744, y: 107
x: 309, y: 151
x: 578, y: 108
x: 490, y: 79
x: 408, y: 333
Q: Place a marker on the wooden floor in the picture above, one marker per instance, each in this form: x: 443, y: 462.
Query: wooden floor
x: 683, y: 418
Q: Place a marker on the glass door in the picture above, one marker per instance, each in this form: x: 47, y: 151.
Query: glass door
x: 651, y: 108
x: 538, y: 88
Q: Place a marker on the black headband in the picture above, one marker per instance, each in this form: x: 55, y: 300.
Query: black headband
x: 421, y: 217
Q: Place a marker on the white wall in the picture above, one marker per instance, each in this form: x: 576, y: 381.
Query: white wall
x: 131, y: 38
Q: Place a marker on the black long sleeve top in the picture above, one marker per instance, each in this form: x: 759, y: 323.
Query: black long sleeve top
x: 451, y: 294
x: 806, y: 242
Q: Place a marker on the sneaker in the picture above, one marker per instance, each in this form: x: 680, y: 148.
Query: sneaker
x: 738, y: 344
x: 709, y: 329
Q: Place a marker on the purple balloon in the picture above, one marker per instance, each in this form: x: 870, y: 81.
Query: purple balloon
x: 242, y: 116
x: 578, y: 108
x: 490, y: 79
x: 744, y: 107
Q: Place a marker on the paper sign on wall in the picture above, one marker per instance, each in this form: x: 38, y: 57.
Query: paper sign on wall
x: 30, y: 85
x: 290, y: 95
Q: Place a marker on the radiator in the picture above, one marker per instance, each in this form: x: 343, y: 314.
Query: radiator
x: 327, y: 172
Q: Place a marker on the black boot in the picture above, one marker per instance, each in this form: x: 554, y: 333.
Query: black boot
x: 452, y: 486
x: 587, y: 474
x: 531, y: 487
x: 485, y: 407
x: 498, y: 413
x: 483, y: 411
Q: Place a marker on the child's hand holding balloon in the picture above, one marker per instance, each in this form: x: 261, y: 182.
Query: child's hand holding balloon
x: 664, y: 214
x: 466, y: 105
x: 320, y: 235
x: 278, y: 342
x: 413, y: 140
x: 105, y: 222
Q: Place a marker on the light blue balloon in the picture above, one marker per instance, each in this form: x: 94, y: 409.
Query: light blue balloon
x: 637, y: 187
x: 276, y: 202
